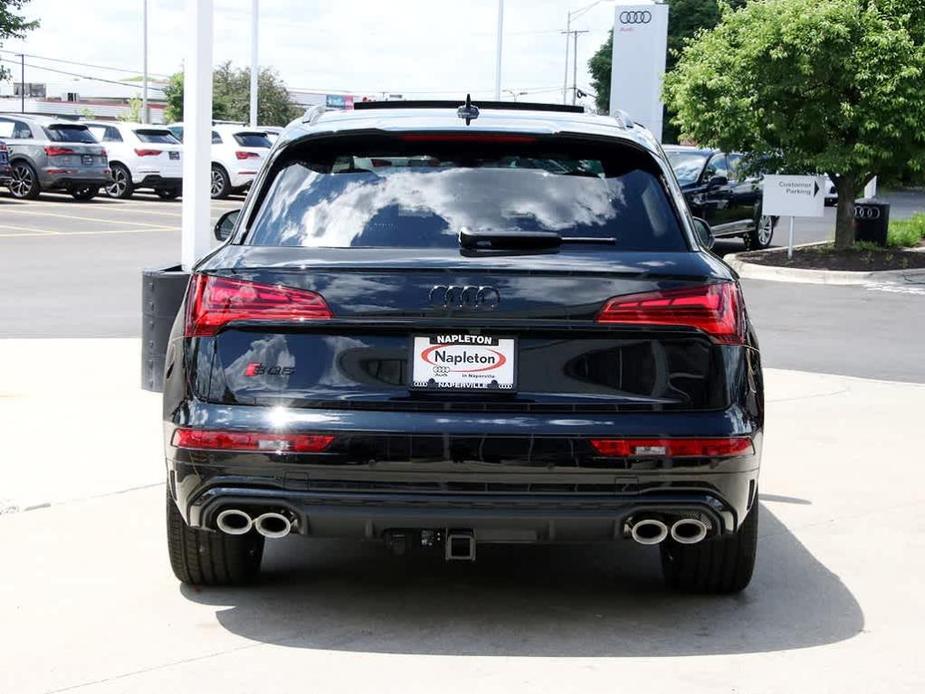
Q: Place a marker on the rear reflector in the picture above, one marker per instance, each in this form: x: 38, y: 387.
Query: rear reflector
x: 148, y: 152
x: 468, y: 137
x: 716, y: 309
x: 207, y: 439
x: 674, y: 448
x: 246, y: 155
x: 214, y: 302
x: 53, y: 151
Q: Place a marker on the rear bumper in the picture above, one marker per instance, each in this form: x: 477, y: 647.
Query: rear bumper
x: 242, y: 179
x: 513, y: 478
x: 157, y: 181
x: 73, y: 180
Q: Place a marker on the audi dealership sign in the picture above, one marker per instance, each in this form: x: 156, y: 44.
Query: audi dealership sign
x: 640, y: 44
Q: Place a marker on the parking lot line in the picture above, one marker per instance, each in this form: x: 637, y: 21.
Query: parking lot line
x: 78, y: 218
x: 95, y: 232
x: 26, y: 229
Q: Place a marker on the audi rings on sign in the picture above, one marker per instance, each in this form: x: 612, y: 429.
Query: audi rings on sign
x: 464, y: 297
x: 865, y: 212
x: 635, y: 17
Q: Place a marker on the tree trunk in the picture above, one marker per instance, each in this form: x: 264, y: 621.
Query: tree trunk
x: 847, y: 188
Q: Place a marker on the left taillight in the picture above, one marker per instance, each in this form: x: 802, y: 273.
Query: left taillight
x: 715, y: 447
x: 214, y: 302
x: 246, y: 155
x: 217, y: 440
x: 716, y: 309
x: 148, y: 152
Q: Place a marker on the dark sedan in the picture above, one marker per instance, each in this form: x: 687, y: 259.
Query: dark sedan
x: 718, y: 190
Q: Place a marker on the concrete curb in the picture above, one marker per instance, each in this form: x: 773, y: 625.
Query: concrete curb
x: 785, y: 274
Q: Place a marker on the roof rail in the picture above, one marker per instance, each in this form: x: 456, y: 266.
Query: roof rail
x: 491, y: 105
x: 312, y: 113
x: 623, y: 119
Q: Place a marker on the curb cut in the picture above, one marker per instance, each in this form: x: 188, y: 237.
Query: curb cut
x: 834, y: 277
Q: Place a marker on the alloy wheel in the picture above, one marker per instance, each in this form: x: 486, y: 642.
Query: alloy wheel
x: 119, y: 183
x: 765, y: 230
x: 22, y: 182
x: 218, y: 184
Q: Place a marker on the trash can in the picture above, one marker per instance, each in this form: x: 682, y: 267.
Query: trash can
x: 161, y: 295
x: 871, y: 220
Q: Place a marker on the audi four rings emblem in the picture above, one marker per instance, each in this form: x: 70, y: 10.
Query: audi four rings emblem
x: 861, y: 212
x: 469, y: 296
x: 635, y: 17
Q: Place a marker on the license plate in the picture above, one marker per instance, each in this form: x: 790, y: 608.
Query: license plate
x: 173, y: 155
x: 87, y: 159
x: 463, y: 362
x: 3, y: 158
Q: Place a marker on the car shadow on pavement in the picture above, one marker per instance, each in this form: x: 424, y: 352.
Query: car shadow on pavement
x: 527, y: 600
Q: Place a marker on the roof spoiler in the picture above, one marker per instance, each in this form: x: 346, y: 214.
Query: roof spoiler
x: 492, y: 105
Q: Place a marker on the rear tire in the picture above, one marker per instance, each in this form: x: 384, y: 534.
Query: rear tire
x: 204, y: 558
x: 221, y: 184
x: 84, y: 193
x: 121, y: 187
x: 25, y: 182
x: 718, y: 565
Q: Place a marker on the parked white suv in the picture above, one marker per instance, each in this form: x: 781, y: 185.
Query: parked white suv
x: 140, y: 156
x: 237, y: 154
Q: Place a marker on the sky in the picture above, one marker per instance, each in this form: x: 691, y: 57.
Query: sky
x: 417, y: 48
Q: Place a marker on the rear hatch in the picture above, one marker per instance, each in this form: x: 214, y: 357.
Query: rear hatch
x: 380, y: 281
x: 251, y: 148
x: 73, y: 146
x: 160, y: 152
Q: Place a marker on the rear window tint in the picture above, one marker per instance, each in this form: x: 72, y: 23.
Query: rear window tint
x: 421, y: 196
x: 160, y: 137
x: 253, y: 140
x: 70, y: 133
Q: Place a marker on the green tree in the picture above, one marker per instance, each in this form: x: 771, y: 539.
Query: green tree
x: 133, y: 115
x: 834, y: 86
x: 13, y: 25
x: 685, y: 19
x: 231, y: 96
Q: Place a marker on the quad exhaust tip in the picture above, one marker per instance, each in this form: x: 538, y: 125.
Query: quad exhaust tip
x: 233, y: 521
x: 649, y: 531
x: 688, y: 531
x: 272, y: 524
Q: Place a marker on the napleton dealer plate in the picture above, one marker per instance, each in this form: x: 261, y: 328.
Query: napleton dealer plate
x: 463, y: 362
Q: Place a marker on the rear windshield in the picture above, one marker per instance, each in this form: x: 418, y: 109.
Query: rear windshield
x: 421, y: 196
x: 159, y: 137
x: 253, y: 140
x: 70, y: 133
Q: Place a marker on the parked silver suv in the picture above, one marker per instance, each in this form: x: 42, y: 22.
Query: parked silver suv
x: 49, y: 154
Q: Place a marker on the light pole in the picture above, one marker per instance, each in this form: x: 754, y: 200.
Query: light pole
x: 498, y: 54
x: 574, y: 14
x: 144, y: 62
x: 22, y: 82
x: 255, y: 69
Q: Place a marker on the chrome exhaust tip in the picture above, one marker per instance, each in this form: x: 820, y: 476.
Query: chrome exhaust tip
x: 688, y: 531
x: 233, y: 521
x: 648, y: 531
x: 272, y: 524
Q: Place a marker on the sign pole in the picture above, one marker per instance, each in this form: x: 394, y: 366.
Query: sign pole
x: 790, y: 242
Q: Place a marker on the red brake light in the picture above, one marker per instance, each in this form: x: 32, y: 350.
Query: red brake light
x: 716, y: 309
x: 213, y: 302
x: 246, y: 155
x: 674, y: 448
x: 468, y: 137
x: 147, y: 152
x: 208, y: 439
x: 53, y: 151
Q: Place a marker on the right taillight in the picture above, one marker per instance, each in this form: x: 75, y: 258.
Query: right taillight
x: 716, y: 309
x: 214, y: 302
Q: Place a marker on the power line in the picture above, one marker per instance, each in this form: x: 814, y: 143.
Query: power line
x: 88, y: 77
x: 75, y: 62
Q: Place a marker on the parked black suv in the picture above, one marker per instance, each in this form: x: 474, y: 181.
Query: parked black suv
x: 439, y: 327
x: 719, y: 191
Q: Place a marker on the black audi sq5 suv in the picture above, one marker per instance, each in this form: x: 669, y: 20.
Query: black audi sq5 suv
x: 438, y: 325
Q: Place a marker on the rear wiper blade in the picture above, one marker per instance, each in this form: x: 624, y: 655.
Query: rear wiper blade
x: 491, y: 240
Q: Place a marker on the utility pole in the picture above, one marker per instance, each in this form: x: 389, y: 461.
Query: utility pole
x: 574, y: 33
x: 568, y: 30
x: 498, y: 55
x: 255, y: 69
x: 144, y: 63
x: 22, y: 83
